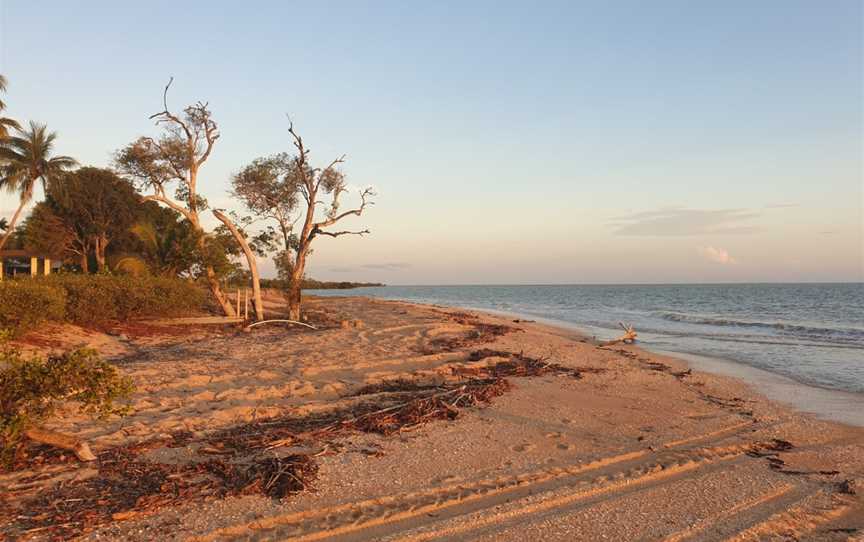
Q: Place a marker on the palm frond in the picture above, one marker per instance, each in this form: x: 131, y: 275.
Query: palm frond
x: 26, y: 159
x: 2, y: 89
x: 63, y: 162
x: 8, y: 124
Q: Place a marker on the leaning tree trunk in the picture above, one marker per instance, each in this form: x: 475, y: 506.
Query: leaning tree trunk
x: 250, y: 259
x: 11, y: 227
x: 213, y: 280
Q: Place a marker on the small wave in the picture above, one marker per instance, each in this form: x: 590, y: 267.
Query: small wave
x: 785, y: 327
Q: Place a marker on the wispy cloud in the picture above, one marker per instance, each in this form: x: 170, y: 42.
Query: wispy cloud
x: 781, y: 205
x: 389, y: 265
x: 386, y: 266
x: 717, y: 255
x: 679, y: 221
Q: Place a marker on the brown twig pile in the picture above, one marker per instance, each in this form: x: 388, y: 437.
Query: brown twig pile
x: 480, y: 332
x: 518, y: 365
x: 442, y: 405
x: 128, y: 486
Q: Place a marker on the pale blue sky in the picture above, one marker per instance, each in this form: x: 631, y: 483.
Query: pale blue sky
x: 613, y: 141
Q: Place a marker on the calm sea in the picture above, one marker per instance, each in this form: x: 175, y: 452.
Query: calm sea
x: 811, y: 333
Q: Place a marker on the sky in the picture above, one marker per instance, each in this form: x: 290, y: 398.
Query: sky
x: 508, y: 142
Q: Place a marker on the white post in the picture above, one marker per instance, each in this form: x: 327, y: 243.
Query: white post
x: 245, y: 303
x: 47, y: 262
x: 238, y: 303
x: 34, y: 266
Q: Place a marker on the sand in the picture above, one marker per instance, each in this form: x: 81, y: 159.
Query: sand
x: 640, y: 451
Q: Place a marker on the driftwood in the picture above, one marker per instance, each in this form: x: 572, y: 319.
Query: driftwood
x: 67, y: 442
x: 280, y: 320
x: 629, y: 336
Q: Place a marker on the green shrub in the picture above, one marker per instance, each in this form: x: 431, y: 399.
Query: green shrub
x: 99, y: 299
x: 174, y: 297
x: 26, y: 303
x: 93, y: 300
x: 90, y: 299
x: 32, y: 388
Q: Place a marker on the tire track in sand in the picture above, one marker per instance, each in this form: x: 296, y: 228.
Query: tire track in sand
x: 801, y: 519
x: 585, y: 480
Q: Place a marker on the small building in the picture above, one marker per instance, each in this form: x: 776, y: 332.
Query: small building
x: 23, y: 262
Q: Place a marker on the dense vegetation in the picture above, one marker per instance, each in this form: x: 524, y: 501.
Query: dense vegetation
x: 93, y: 300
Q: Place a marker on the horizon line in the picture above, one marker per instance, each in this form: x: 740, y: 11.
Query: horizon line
x: 861, y: 282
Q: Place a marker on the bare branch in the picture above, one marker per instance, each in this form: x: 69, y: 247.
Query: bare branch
x: 162, y: 198
x: 165, y: 94
x: 302, y: 159
x: 364, y: 202
x: 317, y: 231
x: 167, y: 116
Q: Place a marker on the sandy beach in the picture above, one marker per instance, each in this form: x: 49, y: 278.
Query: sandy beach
x: 604, y: 443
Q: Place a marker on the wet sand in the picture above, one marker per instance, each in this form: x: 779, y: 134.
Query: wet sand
x: 638, y: 449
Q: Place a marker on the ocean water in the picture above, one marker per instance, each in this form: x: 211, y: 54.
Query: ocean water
x: 810, y: 333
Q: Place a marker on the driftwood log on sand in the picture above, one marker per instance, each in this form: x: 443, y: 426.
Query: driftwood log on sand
x: 629, y: 336
x: 60, y: 440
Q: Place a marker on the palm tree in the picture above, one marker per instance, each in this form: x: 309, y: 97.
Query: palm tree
x: 5, y: 123
x: 26, y: 159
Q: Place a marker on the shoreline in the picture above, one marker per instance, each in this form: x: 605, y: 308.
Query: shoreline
x: 827, y: 404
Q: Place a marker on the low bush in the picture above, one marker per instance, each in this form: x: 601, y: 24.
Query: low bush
x: 32, y: 388
x: 93, y: 300
x: 24, y: 304
x: 100, y: 299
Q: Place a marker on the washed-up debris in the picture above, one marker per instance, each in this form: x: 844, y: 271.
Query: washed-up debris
x: 394, y: 386
x: 239, y: 460
x: 518, y: 365
x: 129, y: 485
x: 245, y: 459
x: 480, y: 332
x: 443, y: 405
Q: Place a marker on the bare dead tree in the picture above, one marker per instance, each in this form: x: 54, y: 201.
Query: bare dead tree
x: 289, y: 190
x: 175, y: 159
x: 312, y: 183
